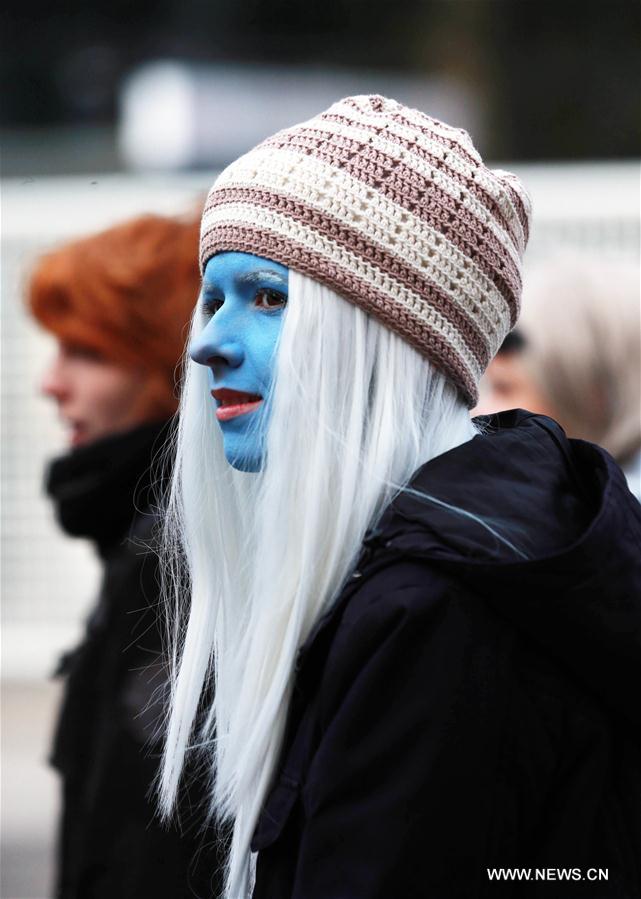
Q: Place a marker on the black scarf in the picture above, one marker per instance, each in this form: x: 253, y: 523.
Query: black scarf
x: 96, y: 489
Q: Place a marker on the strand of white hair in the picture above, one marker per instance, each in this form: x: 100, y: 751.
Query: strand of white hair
x: 355, y: 411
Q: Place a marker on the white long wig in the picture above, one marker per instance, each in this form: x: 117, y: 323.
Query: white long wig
x: 354, y: 412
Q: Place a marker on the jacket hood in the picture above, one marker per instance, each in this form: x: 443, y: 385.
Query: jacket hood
x: 549, y: 534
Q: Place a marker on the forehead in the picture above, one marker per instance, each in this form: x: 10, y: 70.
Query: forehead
x: 233, y: 267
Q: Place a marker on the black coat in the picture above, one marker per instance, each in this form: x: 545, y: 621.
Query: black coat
x: 461, y: 709
x: 107, y: 743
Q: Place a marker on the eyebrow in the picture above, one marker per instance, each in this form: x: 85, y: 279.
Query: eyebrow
x: 254, y: 277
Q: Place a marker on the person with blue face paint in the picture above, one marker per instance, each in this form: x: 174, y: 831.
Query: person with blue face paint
x: 406, y: 612
x: 243, y: 300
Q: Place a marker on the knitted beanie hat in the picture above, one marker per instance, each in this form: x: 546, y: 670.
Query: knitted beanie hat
x: 397, y: 213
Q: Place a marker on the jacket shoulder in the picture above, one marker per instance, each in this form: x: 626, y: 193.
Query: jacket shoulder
x: 409, y: 613
x: 412, y: 592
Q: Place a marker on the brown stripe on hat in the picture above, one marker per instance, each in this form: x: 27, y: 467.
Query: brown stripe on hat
x: 518, y: 201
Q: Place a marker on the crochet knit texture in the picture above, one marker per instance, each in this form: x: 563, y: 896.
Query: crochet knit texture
x: 397, y: 213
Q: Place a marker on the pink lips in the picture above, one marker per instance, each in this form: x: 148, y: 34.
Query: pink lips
x: 234, y: 403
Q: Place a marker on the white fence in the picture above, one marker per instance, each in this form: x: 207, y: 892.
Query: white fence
x: 48, y: 581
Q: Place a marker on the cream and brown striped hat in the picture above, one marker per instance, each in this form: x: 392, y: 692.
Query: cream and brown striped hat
x: 397, y: 213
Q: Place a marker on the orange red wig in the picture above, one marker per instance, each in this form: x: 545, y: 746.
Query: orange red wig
x: 125, y: 294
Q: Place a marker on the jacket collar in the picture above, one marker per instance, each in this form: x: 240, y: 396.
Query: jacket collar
x: 96, y: 489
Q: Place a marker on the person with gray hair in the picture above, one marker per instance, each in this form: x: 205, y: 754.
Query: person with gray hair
x: 576, y: 355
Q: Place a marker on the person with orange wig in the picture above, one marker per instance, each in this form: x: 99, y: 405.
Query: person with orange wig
x: 118, y: 304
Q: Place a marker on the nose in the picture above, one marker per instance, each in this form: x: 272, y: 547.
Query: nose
x: 215, y: 348
x: 53, y: 383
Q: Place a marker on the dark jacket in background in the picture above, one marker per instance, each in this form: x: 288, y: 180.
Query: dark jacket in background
x: 106, y: 748
x: 461, y: 708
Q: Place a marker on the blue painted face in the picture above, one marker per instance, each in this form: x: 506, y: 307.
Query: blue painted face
x: 243, y: 298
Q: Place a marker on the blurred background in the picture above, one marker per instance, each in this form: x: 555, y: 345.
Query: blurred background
x: 112, y: 109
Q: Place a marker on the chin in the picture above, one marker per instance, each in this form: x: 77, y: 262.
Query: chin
x: 243, y: 463
x: 238, y: 457
x: 242, y: 450
x: 76, y: 440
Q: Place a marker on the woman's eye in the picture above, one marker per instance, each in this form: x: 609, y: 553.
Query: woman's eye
x: 79, y: 351
x: 270, y: 299
x: 210, y: 307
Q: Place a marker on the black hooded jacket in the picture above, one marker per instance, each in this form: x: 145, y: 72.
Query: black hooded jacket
x: 462, y: 708
x: 108, y: 743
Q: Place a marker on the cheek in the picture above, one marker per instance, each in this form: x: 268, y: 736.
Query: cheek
x: 525, y: 391
x: 112, y: 395
x: 535, y: 401
x: 262, y: 344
